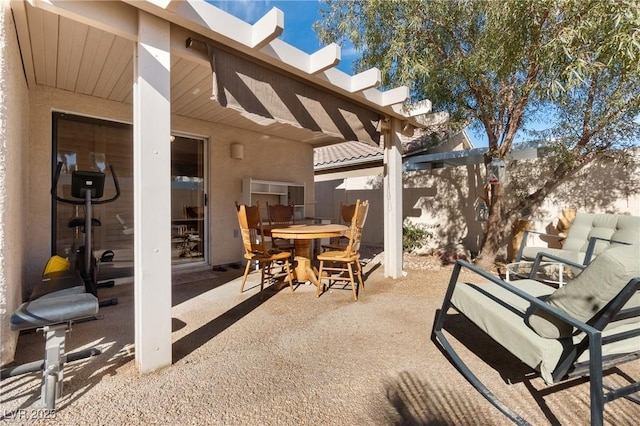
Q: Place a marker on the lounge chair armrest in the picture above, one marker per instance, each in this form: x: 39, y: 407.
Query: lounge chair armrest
x: 542, y: 255
x: 523, y: 242
x: 544, y: 234
x: 534, y: 301
x: 592, y: 246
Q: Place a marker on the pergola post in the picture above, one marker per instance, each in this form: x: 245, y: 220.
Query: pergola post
x: 393, y: 201
x: 152, y: 193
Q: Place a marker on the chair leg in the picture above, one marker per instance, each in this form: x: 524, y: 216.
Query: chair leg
x: 288, y: 269
x: 359, y: 272
x: 244, y: 278
x: 320, y: 284
x: 263, y: 266
x: 353, y: 281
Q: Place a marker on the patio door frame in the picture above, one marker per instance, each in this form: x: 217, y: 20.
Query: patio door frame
x: 101, y: 121
x: 205, y: 189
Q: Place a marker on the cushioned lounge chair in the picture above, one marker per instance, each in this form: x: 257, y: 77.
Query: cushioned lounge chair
x: 588, y: 235
x: 582, y: 329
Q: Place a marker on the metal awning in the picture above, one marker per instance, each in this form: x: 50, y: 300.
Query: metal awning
x: 521, y: 151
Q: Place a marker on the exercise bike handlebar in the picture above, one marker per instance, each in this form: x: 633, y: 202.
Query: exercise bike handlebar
x: 54, y: 189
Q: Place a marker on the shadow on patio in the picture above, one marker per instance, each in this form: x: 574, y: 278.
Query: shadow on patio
x: 292, y: 358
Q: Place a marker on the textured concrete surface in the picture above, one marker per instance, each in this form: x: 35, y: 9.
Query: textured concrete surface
x: 294, y: 359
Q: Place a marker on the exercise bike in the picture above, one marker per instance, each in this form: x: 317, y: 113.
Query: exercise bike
x: 64, y: 297
x: 87, y: 188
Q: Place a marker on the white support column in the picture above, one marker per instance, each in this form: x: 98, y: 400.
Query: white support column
x: 152, y: 193
x: 393, y: 201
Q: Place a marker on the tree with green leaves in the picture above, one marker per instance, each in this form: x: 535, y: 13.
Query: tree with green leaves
x: 503, y: 65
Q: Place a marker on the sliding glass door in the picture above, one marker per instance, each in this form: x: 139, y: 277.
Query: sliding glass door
x: 188, y: 200
x: 88, y: 144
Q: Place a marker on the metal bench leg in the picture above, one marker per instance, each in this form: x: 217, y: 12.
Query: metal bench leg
x: 53, y: 374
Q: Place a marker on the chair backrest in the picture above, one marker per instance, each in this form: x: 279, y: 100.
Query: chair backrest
x: 251, y: 228
x: 280, y: 214
x: 346, y: 213
x: 357, y: 224
x: 614, y: 227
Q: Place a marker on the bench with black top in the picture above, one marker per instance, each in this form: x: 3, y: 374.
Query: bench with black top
x: 60, y: 299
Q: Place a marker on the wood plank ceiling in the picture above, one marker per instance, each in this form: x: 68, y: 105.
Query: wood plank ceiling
x: 73, y: 56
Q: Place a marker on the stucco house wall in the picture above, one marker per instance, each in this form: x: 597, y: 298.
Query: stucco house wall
x: 14, y: 133
x: 261, y: 161
x: 346, y: 191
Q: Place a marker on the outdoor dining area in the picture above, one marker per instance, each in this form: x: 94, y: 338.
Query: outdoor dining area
x: 282, y: 243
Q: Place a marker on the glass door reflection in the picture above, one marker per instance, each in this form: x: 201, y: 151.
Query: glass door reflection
x: 188, y: 201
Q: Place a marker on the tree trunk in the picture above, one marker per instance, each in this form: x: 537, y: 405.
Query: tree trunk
x: 500, y: 224
x: 493, y: 238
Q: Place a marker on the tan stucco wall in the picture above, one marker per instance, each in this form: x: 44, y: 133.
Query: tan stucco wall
x: 445, y: 199
x: 603, y: 187
x: 14, y: 135
x: 264, y: 158
x: 449, y: 196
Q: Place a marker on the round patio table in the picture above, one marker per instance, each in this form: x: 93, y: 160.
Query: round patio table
x: 548, y: 272
x: 302, y: 236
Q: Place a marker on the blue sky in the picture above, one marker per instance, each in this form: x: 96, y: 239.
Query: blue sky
x: 299, y: 16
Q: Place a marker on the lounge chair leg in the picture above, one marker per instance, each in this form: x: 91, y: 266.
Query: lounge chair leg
x: 595, y: 380
x: 475, y: 382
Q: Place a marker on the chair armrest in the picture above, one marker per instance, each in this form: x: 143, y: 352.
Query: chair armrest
x: 534, y: 301
x: 544, y: 234
x: 523, y: 243
x: 539, y: 259
x: 592, y: 246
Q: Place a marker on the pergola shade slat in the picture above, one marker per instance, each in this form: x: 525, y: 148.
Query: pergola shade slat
x: 265, y: 94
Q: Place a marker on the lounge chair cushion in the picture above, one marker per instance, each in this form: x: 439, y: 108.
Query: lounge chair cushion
x: 587, y: 294
x: 501, y: 314
x: 570, y: 255
x: 615, y: 227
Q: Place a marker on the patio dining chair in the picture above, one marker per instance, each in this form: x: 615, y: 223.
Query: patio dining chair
x: 256, y: 250
x: 346, y: 217
x: 584, y: 328
x: 342, y: 262
x: 280, y: 214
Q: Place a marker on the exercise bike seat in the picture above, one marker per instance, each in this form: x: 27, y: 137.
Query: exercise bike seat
x: 53, y: 310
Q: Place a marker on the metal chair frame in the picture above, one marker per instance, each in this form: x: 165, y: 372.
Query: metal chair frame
x: 568, y: 367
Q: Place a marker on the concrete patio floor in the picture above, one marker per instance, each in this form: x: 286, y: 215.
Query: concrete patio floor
x: 294, y: 359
